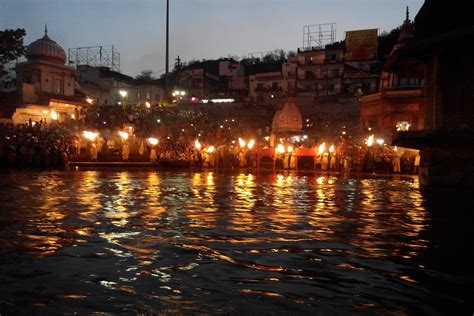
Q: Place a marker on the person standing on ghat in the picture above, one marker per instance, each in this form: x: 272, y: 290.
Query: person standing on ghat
x: 125, y: 151
x: 153, y: 155
x: 93, y: 152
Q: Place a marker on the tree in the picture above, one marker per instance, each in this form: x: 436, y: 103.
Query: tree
x: 11, y: 46
x: 145, y: 76
x: 386, y: 43
x: 178, y: 65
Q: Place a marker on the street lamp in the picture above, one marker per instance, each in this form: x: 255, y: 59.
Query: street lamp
x: 123, y: 93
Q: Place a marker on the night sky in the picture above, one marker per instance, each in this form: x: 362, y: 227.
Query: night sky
x: 198, y: 28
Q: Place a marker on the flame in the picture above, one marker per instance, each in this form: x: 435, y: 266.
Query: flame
x: 251, y: 144
x: 331, y: 149
x: 153, y: 141
x: 241, y: 142
x: 124, y: 135
x: 321, y: 148
x: 281, y: 148
x: 370, y: 140
x: 89, y: 135
x: 290, y: 149
x: 197, y: 144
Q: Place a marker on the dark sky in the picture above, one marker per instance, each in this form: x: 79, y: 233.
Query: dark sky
x: 198, y: 28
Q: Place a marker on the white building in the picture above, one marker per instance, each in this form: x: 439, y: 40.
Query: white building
x: 45, y: 85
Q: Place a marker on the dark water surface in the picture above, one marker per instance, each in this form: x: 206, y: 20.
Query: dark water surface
x: 127, y: 242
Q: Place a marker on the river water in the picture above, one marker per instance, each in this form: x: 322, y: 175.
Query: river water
x: 127, y: 242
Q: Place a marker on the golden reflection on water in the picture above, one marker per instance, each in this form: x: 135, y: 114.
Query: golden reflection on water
x: 285, y: 213
x: 89, y: 195
x: 242, y: 218
x: 201, y: 209
x: 354, y: 211
x: 152, y: 198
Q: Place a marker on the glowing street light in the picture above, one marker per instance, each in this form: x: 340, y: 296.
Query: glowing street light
x: 89, y: 100
x: 147, y: 104
x: 123, y: 93
x: 210, y: 149
x: 290, y: 149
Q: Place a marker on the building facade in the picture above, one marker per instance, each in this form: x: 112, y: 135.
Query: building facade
x: 45, y: 86
x: 399, y: 103
x: 267, y: 86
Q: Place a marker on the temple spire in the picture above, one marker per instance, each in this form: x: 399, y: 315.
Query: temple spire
x: 46, y: 29
x: 408, y: 15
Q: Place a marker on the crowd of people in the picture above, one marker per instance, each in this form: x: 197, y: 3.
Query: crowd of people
x: 209, y: 138
x: 36, y: 145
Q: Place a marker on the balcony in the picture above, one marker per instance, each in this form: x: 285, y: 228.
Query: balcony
x: 268, y: 89
x: 333, y: 61
x: 414, y: 93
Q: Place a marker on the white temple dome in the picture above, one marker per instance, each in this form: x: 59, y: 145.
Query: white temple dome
x: 288, y: 118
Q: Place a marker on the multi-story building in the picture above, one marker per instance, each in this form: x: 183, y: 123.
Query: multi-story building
x: 319, y: 72
x: 265, y: 86
x: 107, y: 87
x: 212, y: 78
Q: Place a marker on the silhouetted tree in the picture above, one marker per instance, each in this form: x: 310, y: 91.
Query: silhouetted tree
x: 145, y: 76
x: 11, y: 46
x: 387, y: 41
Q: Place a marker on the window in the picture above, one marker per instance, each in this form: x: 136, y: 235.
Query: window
x: 139, y: 95
x: 157, y: 97
x: 27, y: 78
x: 57, y: 87
x: 274, y: 85
x: 259, y: 86
x: 148, y: 95
x: 309, y: 75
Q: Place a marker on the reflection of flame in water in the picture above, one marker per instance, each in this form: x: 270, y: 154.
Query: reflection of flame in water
x: 201, y: 209
x: 89, y: 196
x: 256, y: 223
x: 285, y: 212
x: 117, y: 208
x: 242, y: 219
x: 153, y: 207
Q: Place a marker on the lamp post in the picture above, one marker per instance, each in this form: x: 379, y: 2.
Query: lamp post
x: 123, y: 94
x: 167, y: 50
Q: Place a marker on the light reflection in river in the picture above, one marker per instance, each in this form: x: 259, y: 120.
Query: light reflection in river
x: 204, y: 241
